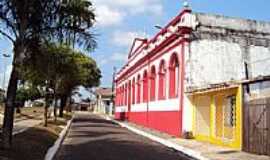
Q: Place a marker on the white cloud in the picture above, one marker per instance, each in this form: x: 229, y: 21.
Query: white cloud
x: 119, y: 57
x: 122, y: 38
x: 107, y: 16
x: 103, y: 61
x: 155, y: 9
x: 122, y: 3
x: 127, y: 3
x: 113, y: 12
x: 114, y: 57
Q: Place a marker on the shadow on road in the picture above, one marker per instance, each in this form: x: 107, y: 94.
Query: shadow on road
x: 92, y: 138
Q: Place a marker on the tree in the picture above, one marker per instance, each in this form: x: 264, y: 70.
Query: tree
x: 85, y: 73
x: 46, y: 71
x: 61, y: 70
x: 82, y: 19
x: 24, y: 93
x: 28, y: 24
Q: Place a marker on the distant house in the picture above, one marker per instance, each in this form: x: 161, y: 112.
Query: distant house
x: 104, y: 101
x: 2, y: 94
x: 84, y: 106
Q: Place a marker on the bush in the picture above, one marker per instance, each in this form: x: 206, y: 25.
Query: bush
x: 38, y: 104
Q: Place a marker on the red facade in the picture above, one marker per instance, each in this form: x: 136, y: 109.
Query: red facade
x: 149, y: 88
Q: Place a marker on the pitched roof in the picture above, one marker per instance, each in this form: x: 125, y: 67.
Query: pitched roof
x: 137, y: 43
x: 104, y: 91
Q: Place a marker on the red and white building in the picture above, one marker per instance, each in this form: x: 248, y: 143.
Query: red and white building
x: 149, y: 87
x: 187, y: 79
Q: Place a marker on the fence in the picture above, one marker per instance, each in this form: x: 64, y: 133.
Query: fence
x: 257, y: 126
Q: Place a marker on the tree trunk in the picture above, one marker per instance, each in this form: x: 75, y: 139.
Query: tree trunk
x: 55, y: 109
x: 9, y: 109
x: 62, y: 105
x: 46, y: 108
x: 46, y: 116
x: 18, y: 109
x: 69, y: 103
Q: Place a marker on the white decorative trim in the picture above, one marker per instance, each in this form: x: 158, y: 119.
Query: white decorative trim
x: 172, y: 29
x: 142, y: 107
x: 120, y: 109
x: 163, y: 105
x: 188, y: 20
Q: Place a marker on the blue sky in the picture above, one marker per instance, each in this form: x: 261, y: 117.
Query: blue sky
x: 119, y: 21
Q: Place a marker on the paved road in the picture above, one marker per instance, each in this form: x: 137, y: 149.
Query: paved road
x: 93, y: 138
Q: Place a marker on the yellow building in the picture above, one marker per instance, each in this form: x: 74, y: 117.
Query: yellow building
x: 217, y: 115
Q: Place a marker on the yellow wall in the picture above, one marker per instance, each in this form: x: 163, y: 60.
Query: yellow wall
x: 216, y: 119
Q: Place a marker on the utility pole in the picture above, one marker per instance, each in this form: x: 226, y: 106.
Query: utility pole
x: 113, y: 85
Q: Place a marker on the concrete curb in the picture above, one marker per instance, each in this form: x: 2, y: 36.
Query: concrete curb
x: 25, y: 129
x: 20, y: 131
x: 52, y: 150
x: 170, y: 144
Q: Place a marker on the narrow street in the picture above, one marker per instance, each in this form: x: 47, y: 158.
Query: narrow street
x: 93, y: 138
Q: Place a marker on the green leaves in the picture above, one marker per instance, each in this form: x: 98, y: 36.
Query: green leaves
x: 27, y: 92
x: 62, y: 68
x: 75, y: 18
x: 64, y: 21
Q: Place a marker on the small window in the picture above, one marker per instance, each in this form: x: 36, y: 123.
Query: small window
x: 162, y: 81
x: 133, y: 91
x: 138, y: 89
x: 153, y: 84
x: 174, y: 76
x: 145, y: 86
x: 230, y: 111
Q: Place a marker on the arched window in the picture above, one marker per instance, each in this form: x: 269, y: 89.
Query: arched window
x: 129, y: 93
x: 153, y: 84
x: 162, y: 81
x: 133, y: 91
x: 174, y: 76
x: 116, y: 96
x: 145, y: 86
x: 121, y: 96
x: 138, y: 89
x: 126, y: 94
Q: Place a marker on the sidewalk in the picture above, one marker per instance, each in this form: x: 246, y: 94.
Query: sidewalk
x: 204, y: 149
x: 22, y: 125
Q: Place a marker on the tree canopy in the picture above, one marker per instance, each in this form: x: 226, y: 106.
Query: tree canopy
x: 29, y: 24
x: 62, y: 69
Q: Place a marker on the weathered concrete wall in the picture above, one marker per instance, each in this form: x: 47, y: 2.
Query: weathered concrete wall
x: 214, y: 61
x: 235, y: 25
x: 220, y: 46
x: 259, y: 61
